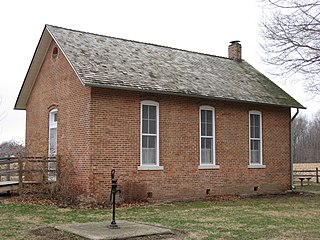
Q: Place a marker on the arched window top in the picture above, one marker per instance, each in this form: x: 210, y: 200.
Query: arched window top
x: 255, y: 112
x: 206, y: 107
x: 53, y: 117
x: 149, y: 102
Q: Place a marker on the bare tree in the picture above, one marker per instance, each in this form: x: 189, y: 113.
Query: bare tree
x: 300, y: 129
x: 11, y: 148
x: 306, y: 139
x: 291, y: 32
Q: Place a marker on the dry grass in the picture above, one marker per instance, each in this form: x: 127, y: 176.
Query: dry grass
x: 291, y: 216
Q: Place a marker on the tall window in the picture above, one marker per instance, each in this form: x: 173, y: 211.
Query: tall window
x: 52, y: 151
x: 255, y: 138
x: 53, y: 117
x: 207, y: 136
x: 149, y: 133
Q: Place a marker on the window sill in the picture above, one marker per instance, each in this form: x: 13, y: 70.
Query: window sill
x: 202, y: 167
x: 150, y: 168
x: 256, y: 166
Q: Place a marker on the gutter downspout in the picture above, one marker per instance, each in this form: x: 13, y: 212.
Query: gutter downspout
x: 291, y: 148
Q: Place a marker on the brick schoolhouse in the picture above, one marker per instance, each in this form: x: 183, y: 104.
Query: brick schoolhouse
x: 175, y: 124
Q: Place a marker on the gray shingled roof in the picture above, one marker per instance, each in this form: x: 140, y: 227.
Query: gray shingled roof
x: 109, y: 62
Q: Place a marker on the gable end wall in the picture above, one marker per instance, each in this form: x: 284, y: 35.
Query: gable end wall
x: 57, y: 86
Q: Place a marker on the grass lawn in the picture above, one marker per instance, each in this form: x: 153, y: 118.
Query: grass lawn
x: 291, y: 216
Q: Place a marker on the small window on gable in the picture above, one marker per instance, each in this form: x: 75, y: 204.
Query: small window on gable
x: 55, y: 52
x: 255, y: 138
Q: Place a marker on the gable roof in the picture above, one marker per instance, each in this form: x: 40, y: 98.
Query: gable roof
x: 101, y: 61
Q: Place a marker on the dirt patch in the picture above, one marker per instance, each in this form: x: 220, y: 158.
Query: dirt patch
x: 51, y: 233
x: 47, y: 200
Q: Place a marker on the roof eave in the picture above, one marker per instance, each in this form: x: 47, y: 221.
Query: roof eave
x: 33, y: 70
x: 192, y: 95
x: 35, y: 66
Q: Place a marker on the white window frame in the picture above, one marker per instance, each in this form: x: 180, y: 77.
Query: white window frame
x: 212, y: 165
x: 157, y: 165
x: 260, y: 164
x: 53, y: 123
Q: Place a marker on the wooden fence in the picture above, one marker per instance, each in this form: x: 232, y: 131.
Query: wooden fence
x: 313, y: 174
x: 15, y: 172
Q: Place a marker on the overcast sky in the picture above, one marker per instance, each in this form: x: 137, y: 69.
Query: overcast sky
x: 200, y: 25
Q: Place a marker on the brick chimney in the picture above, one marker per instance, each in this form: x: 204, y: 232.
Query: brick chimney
x: 234, y: 51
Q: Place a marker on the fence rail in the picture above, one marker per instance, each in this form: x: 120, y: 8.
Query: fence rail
x: 307, y: 174
x: 16, y: 171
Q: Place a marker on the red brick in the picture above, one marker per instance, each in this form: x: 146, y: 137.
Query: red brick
x: 99, y: 129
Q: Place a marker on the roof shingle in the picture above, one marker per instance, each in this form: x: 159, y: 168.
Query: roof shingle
x: 109, y: 62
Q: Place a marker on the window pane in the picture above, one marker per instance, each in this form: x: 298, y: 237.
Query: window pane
x: 145, y: 126
x: 254, y: 126
x: 209, y: 129
x: 209, y: 143
x: 144, y: 141
x: 152, y: 112
x: 152, y: 127
x: 203, y: 129
x: 203, y: 143
x: 206, y: 151
x: 149, y: 150
x: 206, y: 123
x: 209, y: 116
x: 152, y: 141
x: 55, y: 116
x: 255, y: 144
x: 252, y: 132
x: 257, y: 132
x: 251, y: 120
x: 256, y: 120
x: 152, y: 156
x: 53, y: 141
x: 144, y: 111
x: 203, y: 116
x: 206, y: 156
x: 255, y: 151
x: 145, y: 158
x: 148, y: 156
x: 255, y: 157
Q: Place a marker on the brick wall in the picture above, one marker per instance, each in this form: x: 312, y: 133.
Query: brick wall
x: 115, y: 144
x: 57, y: 86
x: 99, y: 129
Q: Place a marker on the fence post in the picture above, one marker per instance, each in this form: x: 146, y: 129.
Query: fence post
x: 44, y: 169
x: 317, y: 175
x: 8, y: 169
x: 58, y: 168
x: 20, y: 163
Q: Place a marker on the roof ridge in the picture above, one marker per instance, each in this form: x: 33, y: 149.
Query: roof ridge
x: 145, y: 43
